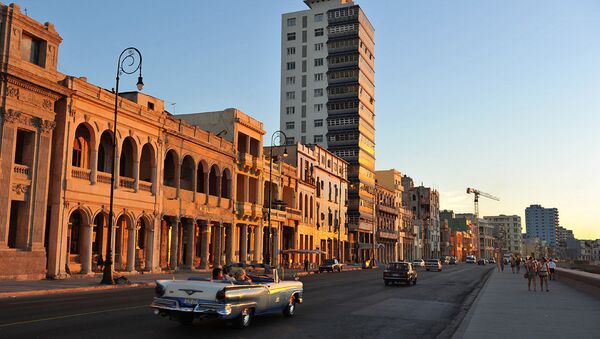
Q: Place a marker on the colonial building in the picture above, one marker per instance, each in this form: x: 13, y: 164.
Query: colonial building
x: 425, y: 205
x: 387, y: 224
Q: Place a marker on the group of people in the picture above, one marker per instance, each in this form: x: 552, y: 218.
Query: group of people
x: 237, y: 275
x: 544, y: 268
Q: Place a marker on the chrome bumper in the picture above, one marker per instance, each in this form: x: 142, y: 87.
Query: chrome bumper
x: 170, y: 305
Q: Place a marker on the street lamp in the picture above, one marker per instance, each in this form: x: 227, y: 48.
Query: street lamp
x: 282, y: 138
x: 130, y: 61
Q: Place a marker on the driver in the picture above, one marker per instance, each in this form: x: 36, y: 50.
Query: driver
x: 240, y: 275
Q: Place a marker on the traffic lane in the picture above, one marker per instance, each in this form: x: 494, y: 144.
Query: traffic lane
x: 353, y: 304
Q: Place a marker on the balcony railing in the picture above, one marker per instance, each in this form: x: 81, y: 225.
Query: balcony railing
x: 127, y: 182
x: 22, y: 170
x: 145, y: 186
x: 103, y: 177
x: 81, y: 173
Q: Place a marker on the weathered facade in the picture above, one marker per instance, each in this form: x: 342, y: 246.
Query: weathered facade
x: 387, y: 224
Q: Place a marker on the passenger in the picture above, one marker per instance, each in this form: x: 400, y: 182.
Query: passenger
x: 217, y: 274
x: 241, y: 275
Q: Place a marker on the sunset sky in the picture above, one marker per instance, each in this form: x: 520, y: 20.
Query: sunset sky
x: 503, y: 96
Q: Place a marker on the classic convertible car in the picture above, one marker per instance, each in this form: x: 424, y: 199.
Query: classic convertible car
x: 235, y: 302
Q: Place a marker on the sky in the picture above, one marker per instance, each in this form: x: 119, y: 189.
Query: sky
x: 502, y: 96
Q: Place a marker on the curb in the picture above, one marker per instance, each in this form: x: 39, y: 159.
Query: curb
x: 458, y: 324
x: 72, y: 290
x: 304, y: 274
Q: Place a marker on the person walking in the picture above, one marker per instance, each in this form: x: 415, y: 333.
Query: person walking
x: 512, y: 263
x: 518, y: 264
x: 501, y: 260
x: 530, y: 272
x: 552, y: 267
x: 306, y: 263
x: 543, y: 273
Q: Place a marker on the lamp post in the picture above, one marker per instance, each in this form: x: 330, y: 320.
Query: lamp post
x: 130, y: 61
x: 281, y: 137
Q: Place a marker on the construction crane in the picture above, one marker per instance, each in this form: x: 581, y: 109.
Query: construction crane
x: 478, y: 193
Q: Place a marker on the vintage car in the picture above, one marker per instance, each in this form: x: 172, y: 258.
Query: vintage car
x: 400, y: 272
x: 236, y: 302
x: 330, y: 265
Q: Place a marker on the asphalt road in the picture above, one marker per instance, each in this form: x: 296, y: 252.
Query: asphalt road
x: 347, y: 304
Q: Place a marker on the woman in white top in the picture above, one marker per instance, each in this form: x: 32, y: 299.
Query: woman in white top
x: 552, y: 267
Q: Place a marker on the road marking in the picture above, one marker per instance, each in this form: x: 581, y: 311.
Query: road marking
x: 70, y: 316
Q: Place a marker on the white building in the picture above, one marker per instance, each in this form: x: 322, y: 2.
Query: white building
x: 507, y: 229
x: 542, y: 223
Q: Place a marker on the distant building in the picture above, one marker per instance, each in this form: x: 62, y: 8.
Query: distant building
x: 542, y: 223
x: 461, y: 235
x: 507, y: 231
x: 425, y: 205
x: 486, y: 239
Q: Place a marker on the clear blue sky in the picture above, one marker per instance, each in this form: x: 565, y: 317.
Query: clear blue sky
x: 503, y: 95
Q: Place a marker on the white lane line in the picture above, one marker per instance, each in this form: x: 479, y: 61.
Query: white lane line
x: 70, y: 316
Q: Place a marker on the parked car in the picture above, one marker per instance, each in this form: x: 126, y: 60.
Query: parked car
x: 400, y: 272
x: 491, y: 261
x: 235, y: 302
x: 470, y: 259
x: 418, y: 263
x: 445, y: 260
x: 433, y: 264
x: 452, y: 261
x: 481, y: 261
x: 330, y: 265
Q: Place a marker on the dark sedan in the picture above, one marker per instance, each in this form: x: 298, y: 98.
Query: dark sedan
x: 330, y: 265
x: 400, y: 272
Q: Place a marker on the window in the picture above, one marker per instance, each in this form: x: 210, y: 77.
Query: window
x: 303, y: 140
x: 290, y: 95
x: 291, y: 36
x: 318, y: 138
x: 304, y: 111
x: 290, y: 80
x: 291, y: 22
x: 289, y: 125
x: 318, y: 62
x: 318, y: 92
x: 31, y: 49
x: 303, y: 66
x: 291, y: 66
x: 319, y: 32
x: 319, y: 77
x: 318, y: 107
x: 291, y: 50
x: 290, y: 140
x: 303, y: 127
x: 319, y: 123
x: 319, y: 46
x: 304, y: 36
x: 304, y: 21
x: 319, y: 17
x: 290, y: 110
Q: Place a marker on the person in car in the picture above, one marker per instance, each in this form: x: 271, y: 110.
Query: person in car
x: 217, y: 273
x: 241, y: 275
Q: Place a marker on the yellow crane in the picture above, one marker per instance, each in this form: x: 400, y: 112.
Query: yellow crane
x: 476, y: 194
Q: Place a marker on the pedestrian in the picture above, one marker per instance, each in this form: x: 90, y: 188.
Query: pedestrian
x: 306, y: 264
x: 552, y: 267
x: 543, y: 273
x: 512, y: 263
x: 100, y: 262
x: 518, y: 264
x: 530, y: 272
x: 501, y: 264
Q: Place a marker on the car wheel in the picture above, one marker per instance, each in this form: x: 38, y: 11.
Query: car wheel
x: 290, y: 308
x: 427, y: 269
x: 387, y: 283
x: 414, y: 281
x: 244, y: 319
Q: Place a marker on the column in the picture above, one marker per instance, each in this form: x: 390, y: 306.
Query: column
x: 93, y: 164
x: 204, y: 236
x: 229, y: 251
x: 219, y: 190
x: 275, y: 250
x: 194, y: 183
x: 246, y: 188
x: 243, y: 243
x: 131, y: 235
x: 150, y: 250
x: 174, y: 224
x: 206, y: 185
x: 86, y: 249
x: 217, y: 250
x: 188, y: 226
x: 136, y: 174
x: 8, y: 144
x: 178, y: 178
x: 258, y: 234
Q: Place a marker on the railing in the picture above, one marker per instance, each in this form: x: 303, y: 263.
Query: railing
x: 126, y: 182
x: 145, y: 186
x: 103, y: 177
x: 186, y: 195
x: 22, y: 170
x: 81, y: 173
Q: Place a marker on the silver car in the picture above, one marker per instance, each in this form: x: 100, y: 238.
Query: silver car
x: 236, y: 302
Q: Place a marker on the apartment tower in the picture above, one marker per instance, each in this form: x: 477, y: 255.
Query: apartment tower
x: 328, y: 98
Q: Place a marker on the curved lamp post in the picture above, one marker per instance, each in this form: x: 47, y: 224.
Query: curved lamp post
x: 280, y: 137
x: 130, y: 62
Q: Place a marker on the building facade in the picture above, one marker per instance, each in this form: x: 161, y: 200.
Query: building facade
x: 507, y: 232
x: 542, y: 223
x: 387, y: 224
x: 425, y: 205
x: 327, y: 96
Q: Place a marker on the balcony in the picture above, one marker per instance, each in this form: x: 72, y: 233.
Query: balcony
x: 22, y: 172
x: 145, y: 186
x: 103, y: 178
x: 186, y: 195
x: 127, y: 182
x: 244, y: 209
x: 248, y: 161
x: 213, y: 200
x: 81, y: 173
x: 170, y: 193
x: 387, y: 209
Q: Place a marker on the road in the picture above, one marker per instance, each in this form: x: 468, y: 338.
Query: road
x: 347, y: 304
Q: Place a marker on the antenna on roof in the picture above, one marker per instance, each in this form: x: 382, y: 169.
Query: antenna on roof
x: 172, y: 107
x: 25, y: 10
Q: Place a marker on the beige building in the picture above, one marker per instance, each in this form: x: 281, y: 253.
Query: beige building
x: 386, y: 212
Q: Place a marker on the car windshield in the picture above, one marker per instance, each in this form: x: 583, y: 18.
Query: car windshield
x: 432, y: 261
x: 329, y: 262
x: 398, y: 267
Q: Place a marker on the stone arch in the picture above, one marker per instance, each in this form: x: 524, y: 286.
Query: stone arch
x: 170, y: 168
x: 83, y: 143
x: 122, y: 230
x: 201, y: 172
x: 213, y: 180
x: 147, y: 163
x: 188, y: 169
x: 128, y: 157
x: 226, y: 184
x: 105, y: 152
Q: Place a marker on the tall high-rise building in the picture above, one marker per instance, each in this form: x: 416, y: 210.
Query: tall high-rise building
x: 507, y: 231
x: 541, y: 223
x: 328, y: 97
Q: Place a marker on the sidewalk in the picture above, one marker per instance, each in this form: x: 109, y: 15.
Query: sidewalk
x: 23, y: 288
x: 505, y: 309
